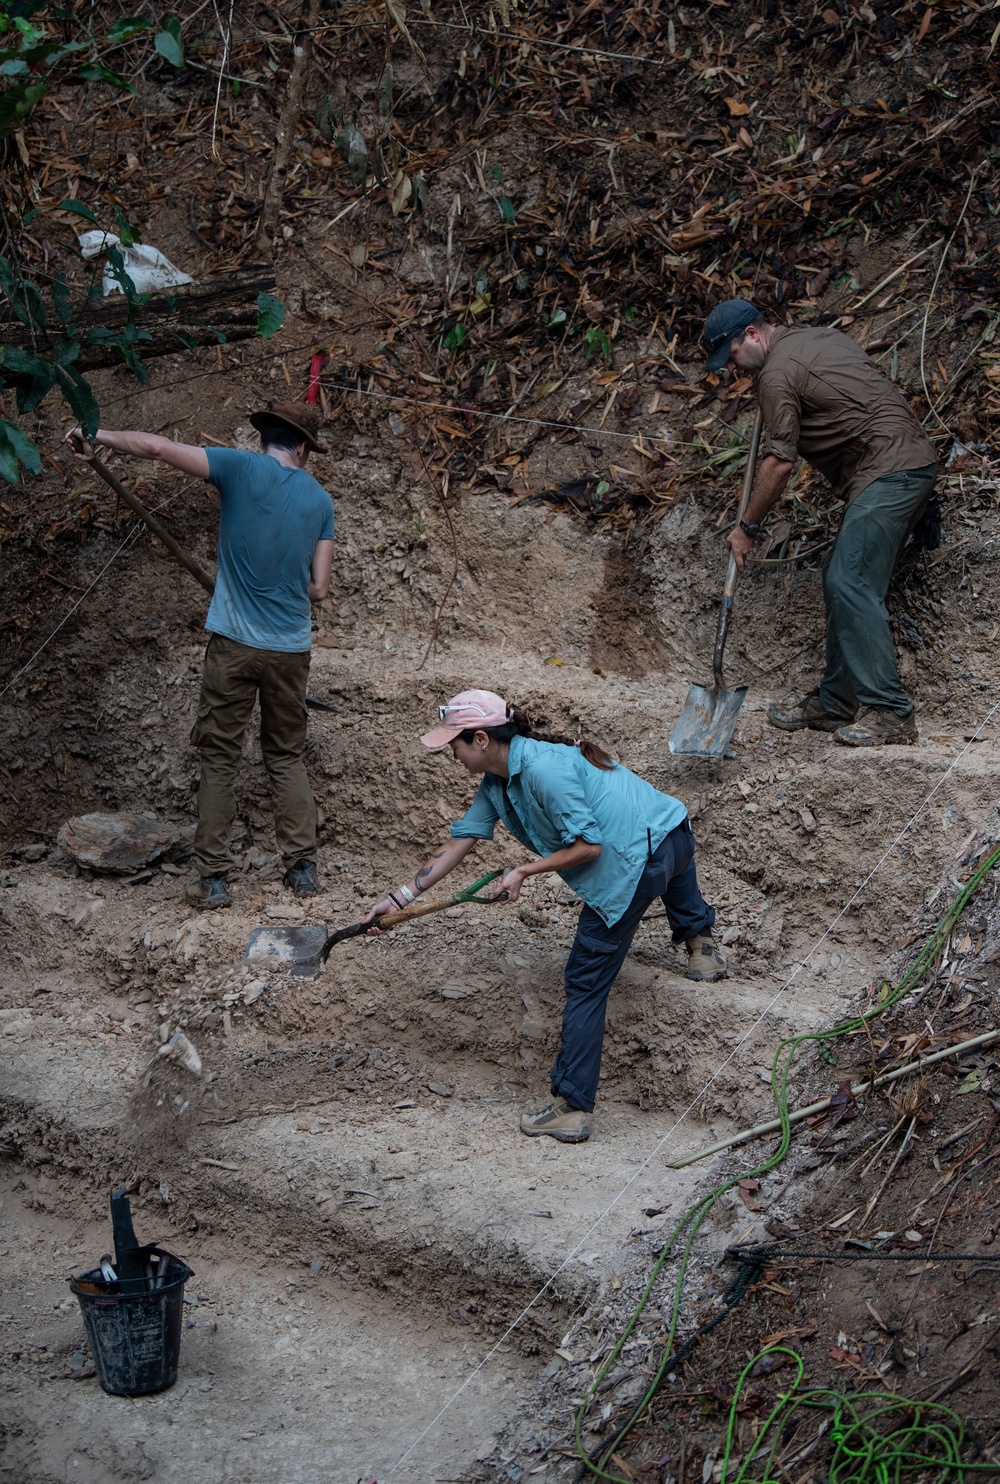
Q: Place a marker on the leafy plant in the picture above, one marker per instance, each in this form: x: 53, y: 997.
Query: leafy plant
x: 270, y: 316
x: 39, y: 53
x: 169, y: 43
x: 596, y: 341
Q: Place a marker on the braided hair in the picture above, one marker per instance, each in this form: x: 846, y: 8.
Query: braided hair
x: 518, y: 725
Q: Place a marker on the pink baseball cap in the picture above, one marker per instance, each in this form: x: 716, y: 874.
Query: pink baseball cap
x: 471, y: 708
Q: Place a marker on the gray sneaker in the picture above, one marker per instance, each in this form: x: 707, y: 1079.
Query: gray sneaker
x: 877, y: 726
x: 559, y: 1121
x: 705, y: 961
x: 808, y: 712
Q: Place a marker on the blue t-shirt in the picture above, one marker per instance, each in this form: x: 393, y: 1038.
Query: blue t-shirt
x: 270, y: 519
x: 554, y: 797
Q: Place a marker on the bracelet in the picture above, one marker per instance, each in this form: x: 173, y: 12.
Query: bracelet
x: 407, y: 895
x: 393, y: 898
x: 751, y: 528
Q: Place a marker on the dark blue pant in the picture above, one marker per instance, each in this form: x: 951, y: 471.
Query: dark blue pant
x: 599, y: 951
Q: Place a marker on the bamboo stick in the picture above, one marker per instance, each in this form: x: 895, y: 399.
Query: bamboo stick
x: 858, y: 1090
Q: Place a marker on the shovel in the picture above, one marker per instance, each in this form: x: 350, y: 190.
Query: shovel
x: 708, y: 719
x: 304, y: 950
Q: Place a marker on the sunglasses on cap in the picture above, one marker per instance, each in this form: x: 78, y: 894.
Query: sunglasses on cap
x: 445, y: 711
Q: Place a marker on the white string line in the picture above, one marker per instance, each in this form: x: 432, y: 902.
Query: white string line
x: 500, y: 417
x: 698, y: 1096
x: 69, y: 614
x: 487, y: 35
x: 565, y: 46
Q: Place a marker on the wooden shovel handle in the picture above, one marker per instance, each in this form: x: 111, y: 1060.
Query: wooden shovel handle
x: 157, y: 527
x: 391, y: 920
x: 748, y: 478
x: 729, y: 590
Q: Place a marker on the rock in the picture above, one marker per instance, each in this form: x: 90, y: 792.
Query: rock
x: 179, y: 1049
x: 253, y: 991
x: 121, y: 844
x: 85, y: 914
x: 440, y: 1089
x: 286, y: 913
x: 33, y: 853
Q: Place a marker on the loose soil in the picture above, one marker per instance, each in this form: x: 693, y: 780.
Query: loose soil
x: 346, y: 1177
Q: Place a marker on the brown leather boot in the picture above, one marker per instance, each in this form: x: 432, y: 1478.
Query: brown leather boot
x: 877, y: 726
x: 808, y: 712
x: 706, y: 961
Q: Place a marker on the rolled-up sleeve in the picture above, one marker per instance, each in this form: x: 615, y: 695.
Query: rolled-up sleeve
x: 781, y: 405
x: 478, y: 821
x: 563, y: 801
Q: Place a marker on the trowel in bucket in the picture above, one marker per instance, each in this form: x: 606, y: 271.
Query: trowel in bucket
x: 304, y: 950
x: 708, y: 719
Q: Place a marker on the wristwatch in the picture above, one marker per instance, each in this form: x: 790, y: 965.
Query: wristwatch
x: 751, y: 528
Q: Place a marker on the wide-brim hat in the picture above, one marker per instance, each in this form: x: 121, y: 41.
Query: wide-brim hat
x: 304, y: 417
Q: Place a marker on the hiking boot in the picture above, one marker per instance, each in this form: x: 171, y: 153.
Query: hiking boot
x: 302, y: 878
x: 808, y: 712
x: 209, y: 892
x: 876, y: 726
x: 559, y: 1121
x: 705, y: 960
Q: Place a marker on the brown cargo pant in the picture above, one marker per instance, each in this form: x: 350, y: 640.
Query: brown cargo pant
x: 233, y: 676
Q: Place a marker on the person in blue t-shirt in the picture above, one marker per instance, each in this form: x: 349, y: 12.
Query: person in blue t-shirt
x: 275, y: 555
x: 611, y: 836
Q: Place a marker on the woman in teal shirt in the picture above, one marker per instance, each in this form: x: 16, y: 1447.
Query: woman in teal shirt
x: 612, y: 837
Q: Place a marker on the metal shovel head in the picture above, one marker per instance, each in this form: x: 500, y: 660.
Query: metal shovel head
x: 293, y: 948
x: 707, y: 722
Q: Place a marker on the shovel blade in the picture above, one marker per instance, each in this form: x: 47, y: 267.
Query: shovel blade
x: 293, y: 948
x: 707, y: 721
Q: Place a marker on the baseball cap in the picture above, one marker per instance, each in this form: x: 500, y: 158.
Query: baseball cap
x: 725, y: 321
x: 471, y: 708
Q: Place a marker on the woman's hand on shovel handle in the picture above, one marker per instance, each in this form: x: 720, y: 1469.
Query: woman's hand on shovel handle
x: 379, y: 910
x: 508, y: 887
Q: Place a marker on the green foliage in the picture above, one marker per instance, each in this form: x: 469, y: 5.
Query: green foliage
x: 169, y: 43
x: 16, y: 447
x: 595, y: 341
x: 270, y: 316
x: 455, y: 337
x: 37, y: 54
x: 507, y: 209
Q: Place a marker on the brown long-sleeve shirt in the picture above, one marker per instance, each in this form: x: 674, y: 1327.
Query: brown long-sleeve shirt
x: 824, y: 401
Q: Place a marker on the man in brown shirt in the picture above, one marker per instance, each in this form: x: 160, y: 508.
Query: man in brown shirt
x: 823, y: 400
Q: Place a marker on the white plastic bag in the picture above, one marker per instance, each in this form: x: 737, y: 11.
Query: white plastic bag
x: 145, y: 265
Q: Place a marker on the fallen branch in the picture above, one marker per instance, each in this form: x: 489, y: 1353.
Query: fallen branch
x: 858, y: 1090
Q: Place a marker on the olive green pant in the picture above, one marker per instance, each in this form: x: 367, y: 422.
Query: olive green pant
x: 861, y: 667
x: 234, y: 675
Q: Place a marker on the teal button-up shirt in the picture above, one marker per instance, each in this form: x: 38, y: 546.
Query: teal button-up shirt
x: 554, y: 797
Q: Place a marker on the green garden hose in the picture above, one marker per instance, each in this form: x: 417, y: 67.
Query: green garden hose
x: 875, y: 1437
x: 689, y: 1224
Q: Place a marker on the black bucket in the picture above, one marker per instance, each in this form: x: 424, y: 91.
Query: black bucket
x: 135, y: 1337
